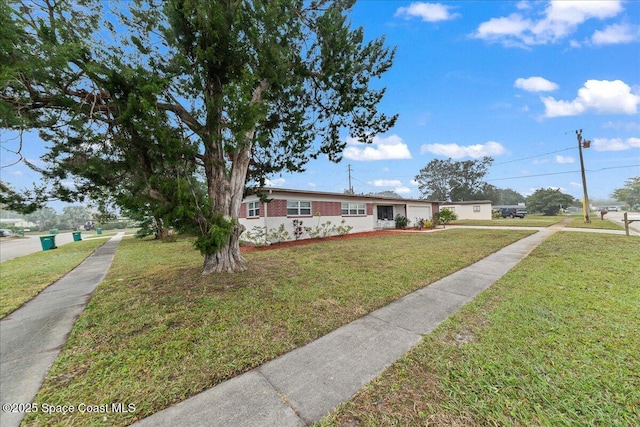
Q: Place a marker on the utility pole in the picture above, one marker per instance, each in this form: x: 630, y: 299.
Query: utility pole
x: 350, y: 186
x: 584, y: 144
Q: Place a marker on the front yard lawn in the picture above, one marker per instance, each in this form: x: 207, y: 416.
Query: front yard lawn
x: 553, y: 343
x: 157, y: 332
x: 24, y: 277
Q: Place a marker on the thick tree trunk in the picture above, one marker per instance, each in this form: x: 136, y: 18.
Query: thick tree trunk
x: 226, y: 189
x: 228, y: 258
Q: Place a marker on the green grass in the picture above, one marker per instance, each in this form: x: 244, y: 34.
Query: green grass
x: 24, y: 277
x: 527, y: 221
x: 553, y: 343
x: 596, y: 223
x: 157, y: 331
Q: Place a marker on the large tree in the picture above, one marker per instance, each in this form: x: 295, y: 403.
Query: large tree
x: 209, y: 92
x: 630, y: 193
x: 510, y: 197
x: 449, y: 180
x: 549, y: 201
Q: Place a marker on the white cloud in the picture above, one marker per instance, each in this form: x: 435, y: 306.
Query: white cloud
x: 535, y: 84
x: 559, y: 19
x: 428, y: 12
x: 616, y: 34
x: 389, y: 148
x: 575, y: 184
x: 597, y: 96
x: 312, y: 185
x: 394, y: 184
x: 456, y: 151
x: 630, y: 126
x: 274, y: 182
x: 386, y: 183
x: 414, y: 182
x: 565, y: 159
x: 615, y: 144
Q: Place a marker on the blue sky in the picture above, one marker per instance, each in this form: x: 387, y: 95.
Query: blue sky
x: 512, y: 80
x: 507, y: 79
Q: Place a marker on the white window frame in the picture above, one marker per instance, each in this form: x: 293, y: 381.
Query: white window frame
x: 353, y: 209
x: 476, y: 208
x: 253, y: 209
x: 298, y: 208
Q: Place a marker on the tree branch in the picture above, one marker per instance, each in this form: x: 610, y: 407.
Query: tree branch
x: 191, y: 122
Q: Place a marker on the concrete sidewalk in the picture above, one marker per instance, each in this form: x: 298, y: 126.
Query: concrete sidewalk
x: 305, y: 384
x: 32, y: 336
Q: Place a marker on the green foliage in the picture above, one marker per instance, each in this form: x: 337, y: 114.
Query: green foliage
x: 139, y: 114
x: 401, y: 222
x: 278, y: 235
x: 219, y: 232
x: 342, y: 229
x: 447, y: 180
x: 25, y: 202
x: 444, y: 217
x: 548, y: 201
x: 319, y: 231
x: 510, y: 197
x: 630, y: 193
x: 257, y: 235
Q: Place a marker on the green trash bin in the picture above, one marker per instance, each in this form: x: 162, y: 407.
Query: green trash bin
x: 48, y: 242
x: 99, y: 230
x: 77, y: 236
x: 21, y: 233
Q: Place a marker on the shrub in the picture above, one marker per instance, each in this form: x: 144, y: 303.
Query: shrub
x: 278, y: 235
x: 444, y: 217
x: 322, y: 230
x: 298, y: 229
x: 342, y: 229
x: 401, y: 222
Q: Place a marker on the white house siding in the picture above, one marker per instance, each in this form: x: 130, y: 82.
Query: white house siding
x: 470, y: 210
x: 327, y: 207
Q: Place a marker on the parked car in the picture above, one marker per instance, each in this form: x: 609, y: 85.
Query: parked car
x: 5, y: 232
x: 513, y: 212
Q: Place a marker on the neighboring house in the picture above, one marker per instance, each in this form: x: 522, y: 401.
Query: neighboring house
x: 363, y: 213
x: 17, y: 222
x: 473, y: 209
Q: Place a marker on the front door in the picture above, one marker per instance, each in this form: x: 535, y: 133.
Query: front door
x: 385, y: 213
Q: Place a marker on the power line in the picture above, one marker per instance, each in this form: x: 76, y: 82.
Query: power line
x: 563, y: 173
x: 533, y: 157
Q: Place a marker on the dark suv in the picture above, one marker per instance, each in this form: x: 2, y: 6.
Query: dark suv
x: 512, y: 212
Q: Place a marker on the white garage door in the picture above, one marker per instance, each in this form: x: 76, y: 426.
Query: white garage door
x: 416, y: 213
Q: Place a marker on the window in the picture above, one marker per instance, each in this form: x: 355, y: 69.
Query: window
x: 476, y: 208
x: 253, y: 209
x: 349, y: 208
x: 298, y: 208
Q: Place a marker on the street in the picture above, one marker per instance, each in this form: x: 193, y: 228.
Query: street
x: 618, y: 218
x: 13, y: 247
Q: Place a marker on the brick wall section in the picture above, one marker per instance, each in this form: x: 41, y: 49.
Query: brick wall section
x: 327, y: 208
x: 277, y: 208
